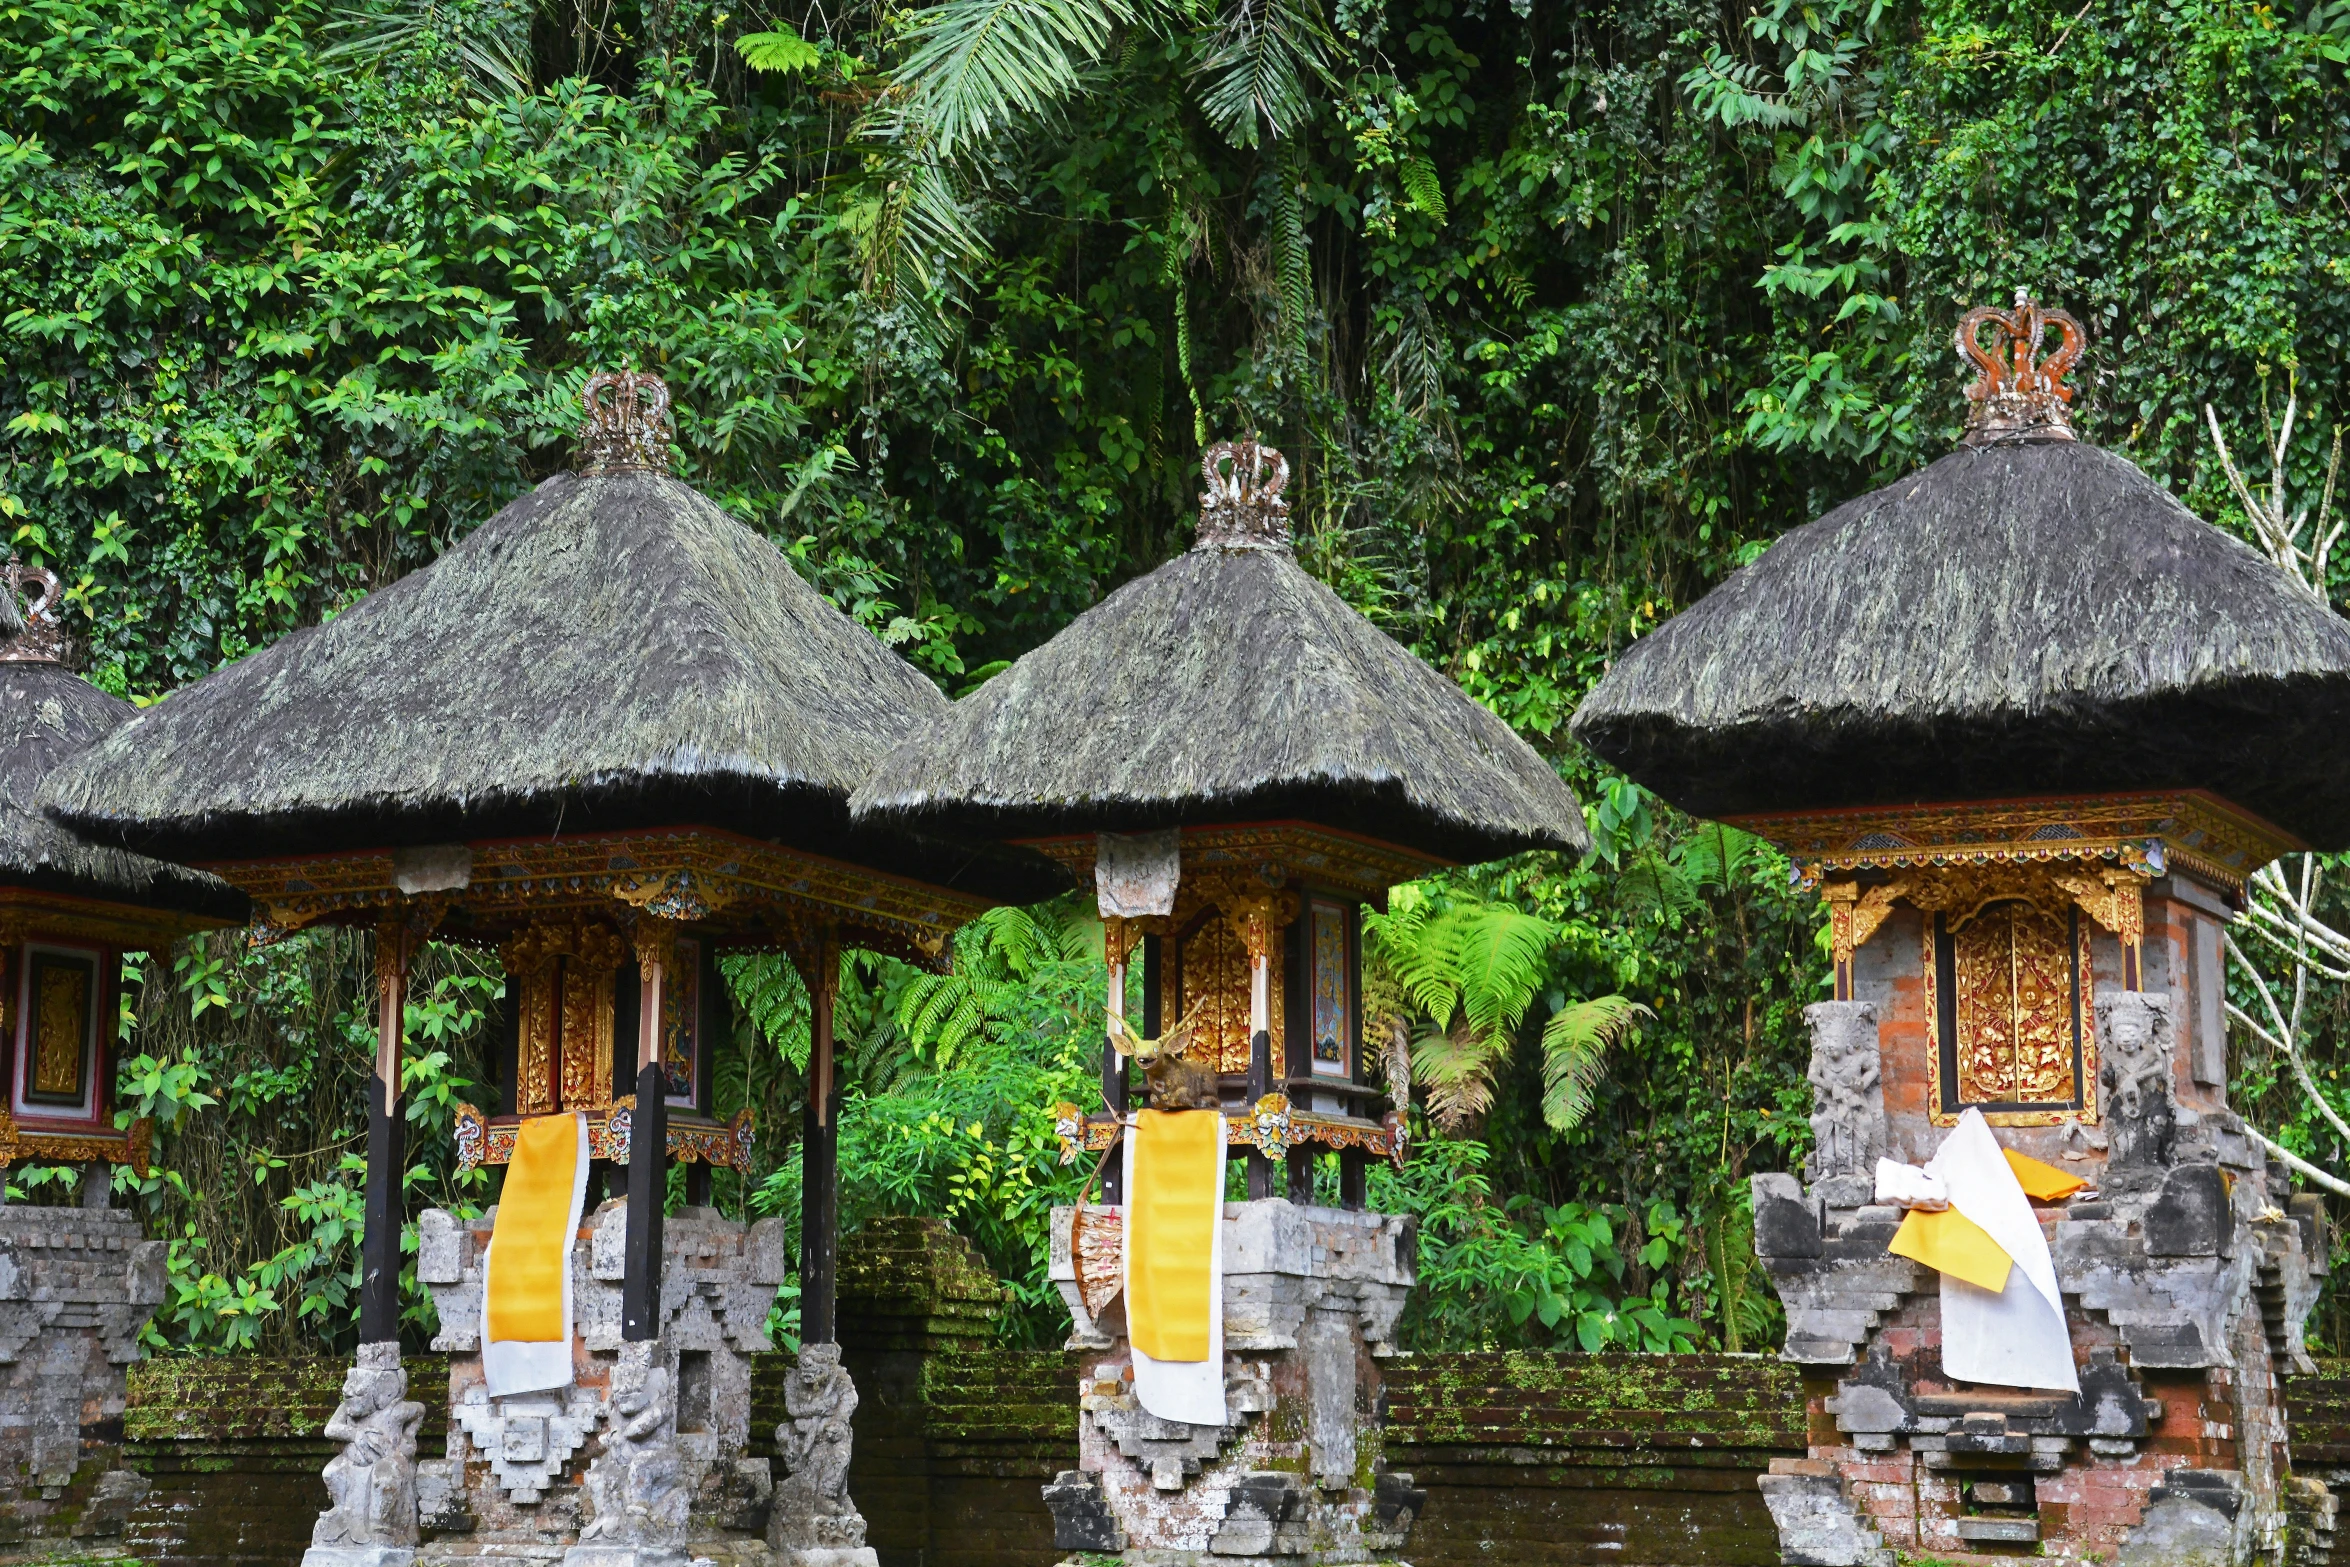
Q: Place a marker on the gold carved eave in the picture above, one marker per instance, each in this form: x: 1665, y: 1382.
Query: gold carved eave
x: 1274, y: 854
x: 25, y: 911
x: 739, y: 891
x: 2113, y: 896
x: 2189, y: 830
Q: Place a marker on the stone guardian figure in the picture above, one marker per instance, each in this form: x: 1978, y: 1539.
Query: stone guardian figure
x: 1848, y: 1101
x: 370, y: 1519
x: 2134, y: 1075
x: 636, y: 1488
x: 814, y: 1523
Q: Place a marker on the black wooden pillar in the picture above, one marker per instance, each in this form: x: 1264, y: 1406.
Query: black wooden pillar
x: 820, y: 1154
x: 648, y: 1141
x: 379, y: 1247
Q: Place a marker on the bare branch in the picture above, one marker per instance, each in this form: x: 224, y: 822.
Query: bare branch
x: 2299, y: 1165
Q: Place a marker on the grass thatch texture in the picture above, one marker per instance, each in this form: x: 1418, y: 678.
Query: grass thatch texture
x: 1225, y: 686
x: 607, y: 651
x: 47, y: 715
x: 2013, y: 620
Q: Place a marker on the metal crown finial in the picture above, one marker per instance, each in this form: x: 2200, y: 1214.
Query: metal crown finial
x: 2018, y: 396
x: 1243, y: 508
x: 627, y: 426
x: 30, y: 633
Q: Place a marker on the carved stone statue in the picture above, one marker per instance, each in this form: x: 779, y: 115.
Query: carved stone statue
x: 2134, y: 1075
x: 636, y: 1487
x: 814, y: 1523
x: 1848, y: 1100
x: 371, y: 1484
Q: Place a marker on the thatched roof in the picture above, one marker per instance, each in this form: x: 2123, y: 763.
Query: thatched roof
x: 2028, y: 618
x: 48, y: 714
x: 609, y: 651
x: 1227, y: 686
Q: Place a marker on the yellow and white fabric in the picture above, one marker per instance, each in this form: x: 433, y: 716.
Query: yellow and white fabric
x: 1175, y: 1263
x: 526, y: 1288
x: 2002, y: 1314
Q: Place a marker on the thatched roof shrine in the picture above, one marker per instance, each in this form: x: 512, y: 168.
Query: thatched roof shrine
x: 2027, y: 616
x: 1228, y: 685
x: 47, y: 716
x: 609, y: 652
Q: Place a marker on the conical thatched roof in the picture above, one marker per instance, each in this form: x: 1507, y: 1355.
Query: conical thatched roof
x: 1228, y: 686
x: 48, y: 715
x: 2030, y: 618
x: 609, y: 651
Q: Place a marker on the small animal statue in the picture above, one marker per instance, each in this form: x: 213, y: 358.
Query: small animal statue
x: 1176, y: 1082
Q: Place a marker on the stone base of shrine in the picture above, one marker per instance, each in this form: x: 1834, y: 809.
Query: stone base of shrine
x: 76, y: 1286
x: 512, y: 1488
x: 359, y: 1556
x: 830, y: 1556
x: 1311, y: 1301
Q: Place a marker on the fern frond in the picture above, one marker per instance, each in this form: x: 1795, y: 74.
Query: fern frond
x: 1458, y: 1068
x: 1421, y: 185
x: 1502, y: 956
x: 1575, y: 1043
x: 780, y: 50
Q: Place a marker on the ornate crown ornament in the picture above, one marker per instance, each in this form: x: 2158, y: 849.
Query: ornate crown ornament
x: 30, y: 633
x: 2018, y: 396
x: 1243, y: 508
x: 627, y: 427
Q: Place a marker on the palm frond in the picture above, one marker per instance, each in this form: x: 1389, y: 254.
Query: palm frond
x: 1575, y: 1043
x: 980, y: 66
x: 493, y: 41
x: 1257, y: 66
x: 1716, y: 856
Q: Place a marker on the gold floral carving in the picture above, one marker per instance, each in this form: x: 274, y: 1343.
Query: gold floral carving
x: 1119, y: 939
x: 2015, y: 1002
x: 563, y: 978
x: 2018, y: 959
x: 1855, y: 913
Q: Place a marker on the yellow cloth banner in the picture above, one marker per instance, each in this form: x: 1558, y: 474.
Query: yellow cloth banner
x: 1171, y: 1217
x: 2041, y: 1182
x: 1950, y: 1242
x: 528, y: 1238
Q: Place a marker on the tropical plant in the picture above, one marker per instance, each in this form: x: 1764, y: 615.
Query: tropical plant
x: 1473, y: 968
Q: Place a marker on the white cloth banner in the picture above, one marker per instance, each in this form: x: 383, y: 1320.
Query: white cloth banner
x: 2017, y: 1336
x: 1191, y: 1390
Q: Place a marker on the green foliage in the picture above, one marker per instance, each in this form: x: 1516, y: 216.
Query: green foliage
x: 1561, y: 314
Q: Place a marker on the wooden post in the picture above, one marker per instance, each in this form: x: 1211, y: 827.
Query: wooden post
x: 648, y: 1140
x: 386, y: 1212
x: 1260, y: 1061
x: 1119, y: 939
x: 820, y: 1153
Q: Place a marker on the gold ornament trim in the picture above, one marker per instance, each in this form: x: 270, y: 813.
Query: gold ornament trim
x: 27, y: 913
x: 2190, y: 830
x: 739, y: 890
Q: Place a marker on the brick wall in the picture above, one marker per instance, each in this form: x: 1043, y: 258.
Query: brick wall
x: 1640, y: 1461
